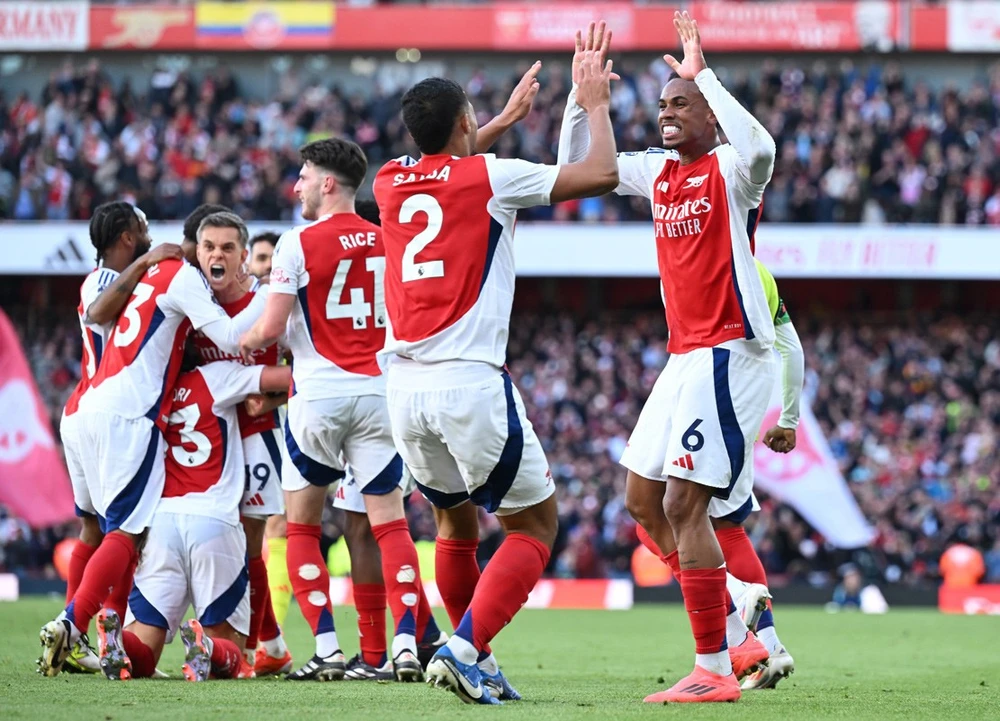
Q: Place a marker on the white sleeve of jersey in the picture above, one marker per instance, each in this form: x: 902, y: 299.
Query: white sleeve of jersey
x: 189, y: 294
x: 231, y: 382
x: 638, y: 171
x: 287, y: 264
x: 95, y: 284
x: 520, y: 184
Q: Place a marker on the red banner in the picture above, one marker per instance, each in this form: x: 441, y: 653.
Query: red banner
x: 33, y: 480
x: 548, y: 25
x: 970, y: 600
x: 783, y: 26
x: 142, y: 27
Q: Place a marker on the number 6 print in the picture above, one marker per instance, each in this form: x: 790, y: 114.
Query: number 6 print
x: 692, y: 432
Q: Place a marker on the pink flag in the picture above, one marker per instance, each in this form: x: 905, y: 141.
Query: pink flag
x: 809, y: 480
x: 33, y: 480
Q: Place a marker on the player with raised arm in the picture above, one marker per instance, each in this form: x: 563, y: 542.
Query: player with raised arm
x: 448, y: 220
x: 221, y: 253
x: 121, y: 423
x: 195, y: 553
x: 327, y: 299
x: 119, y: 232
x: 690, y: 455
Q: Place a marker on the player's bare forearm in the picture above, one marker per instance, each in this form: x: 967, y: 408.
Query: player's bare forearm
x: 518, y: 106
x: 275, y: 379
x: 597, y: 173
x: 115, y: 297
x: 491, y: 133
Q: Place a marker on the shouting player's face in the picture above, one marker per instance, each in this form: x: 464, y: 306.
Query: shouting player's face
x: 685, y: 119
x: 220, y: 256
x: 309, y: 188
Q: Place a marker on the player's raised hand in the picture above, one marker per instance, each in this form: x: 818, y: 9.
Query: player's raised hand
x: 594, y: 88
x: 598, y: 39
x: 694, y: 59
x: 780, y: 440
x: 519, y: 104
x: 162, y: 252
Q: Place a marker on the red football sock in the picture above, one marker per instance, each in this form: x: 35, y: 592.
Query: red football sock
x: 427, y: 628
x: 401, y: 571
x: 457, y: 574
x: 741, y: 559
x: 258, y: 598
x: 226, y: 657
x: 77, y: 562
x: 671, y: 559
x: 369, y: 600
x: 118, y: 600
x: 310, y: 577
x: 706, y: 602
x: 504, y: 587
x: 105, y: 569
x: 141, y: 655
x: 268, y: 623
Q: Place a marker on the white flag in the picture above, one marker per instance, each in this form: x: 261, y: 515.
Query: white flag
x: 808, y: 480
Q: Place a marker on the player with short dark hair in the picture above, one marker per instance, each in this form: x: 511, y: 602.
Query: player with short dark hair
x: 189, y: 242
x: 119, y: 233
x: 261, y: 250
x: 448, y: 219
x: 690, y: 457
x: 327, y: 298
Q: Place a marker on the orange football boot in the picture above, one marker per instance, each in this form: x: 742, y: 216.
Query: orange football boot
x: 748, y: 657
x: 701, y: 686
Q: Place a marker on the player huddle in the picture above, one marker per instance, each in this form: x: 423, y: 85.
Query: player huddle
x: 397, y: 340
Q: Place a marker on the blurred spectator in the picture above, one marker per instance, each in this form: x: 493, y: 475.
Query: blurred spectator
x: 854, y: 145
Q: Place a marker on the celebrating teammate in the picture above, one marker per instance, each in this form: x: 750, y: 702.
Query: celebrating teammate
x: 222, y: 252
x: 448, y: 221
x: 119, y: 232
x: 327, y: 290
x: 696, y: 431
x: 195, y: 553
x: 121, y: 421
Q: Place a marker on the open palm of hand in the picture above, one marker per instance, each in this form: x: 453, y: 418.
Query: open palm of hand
x: 694, y: 59
x: 597, y: 40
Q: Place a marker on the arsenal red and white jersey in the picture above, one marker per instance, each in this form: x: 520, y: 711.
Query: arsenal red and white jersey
x: 209, y: 352
x: 335, y: 268
x: 205, y: 468
x: 448, y: 226
x: 94, y: 335
x: 143, y: 353
x: 704, y: 218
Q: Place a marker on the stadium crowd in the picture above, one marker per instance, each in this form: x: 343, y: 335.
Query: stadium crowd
x: 854, y: 144
x: 910, y: 407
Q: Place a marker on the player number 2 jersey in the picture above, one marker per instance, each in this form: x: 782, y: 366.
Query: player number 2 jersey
x: 204, y: 464
x: 94, y: 335
x: 448, y: 225
x: 704, y: 218
x: 335, y: 268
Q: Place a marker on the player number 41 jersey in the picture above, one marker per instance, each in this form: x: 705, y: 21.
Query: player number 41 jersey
x: 704, y: 219
x: 448, y: 225
x: 335, y: 268
x: 204, y: 464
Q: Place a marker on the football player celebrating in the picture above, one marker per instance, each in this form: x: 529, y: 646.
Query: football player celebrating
x: 327, y: 290
x: 448, y: 219
x: 195, y: 553
x: 690, y: 455
x: 221, y: 253
x: 119, y: 232
x: 122, y: 417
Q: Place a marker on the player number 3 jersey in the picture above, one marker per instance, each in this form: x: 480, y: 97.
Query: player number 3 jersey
x: 448, y: 225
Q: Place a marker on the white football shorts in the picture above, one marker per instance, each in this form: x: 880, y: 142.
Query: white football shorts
x: 123, y: 468
x: 72, y: 448
x: 350, y: 498
x: 463, y: 433
x: 262, y: 495
x: 196, y: 561
x: 323, y: 436
x: 700, y: 423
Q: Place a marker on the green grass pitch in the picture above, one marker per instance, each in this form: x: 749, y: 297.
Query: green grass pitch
x: 569, y: 665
